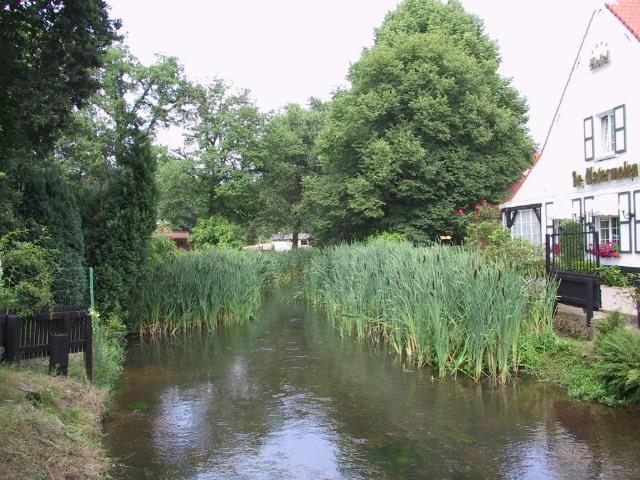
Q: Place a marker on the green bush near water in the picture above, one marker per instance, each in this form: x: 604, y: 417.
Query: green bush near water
x: 443, y: 306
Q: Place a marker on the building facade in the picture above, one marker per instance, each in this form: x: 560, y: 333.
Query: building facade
x: 588, y: 169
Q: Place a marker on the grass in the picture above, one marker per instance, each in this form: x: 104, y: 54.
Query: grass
x: 446, y: 307
x: 202, y: 289
x: 49, y: 426
x: 198, y: 291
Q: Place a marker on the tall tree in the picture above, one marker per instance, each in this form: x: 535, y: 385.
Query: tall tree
x: 428, y: 127
x: 110, y: 158
x: 182, y: 196
x: 49, y: 53
x: 287, y: 154
x: 224, y: 126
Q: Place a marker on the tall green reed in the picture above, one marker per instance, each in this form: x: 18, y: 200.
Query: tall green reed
x: 442, y: 306
x: 199, y: 290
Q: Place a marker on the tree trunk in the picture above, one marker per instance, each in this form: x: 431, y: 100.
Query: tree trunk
x: 295, y: 233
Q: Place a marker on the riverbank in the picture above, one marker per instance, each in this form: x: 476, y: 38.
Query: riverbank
x: 50, y: 426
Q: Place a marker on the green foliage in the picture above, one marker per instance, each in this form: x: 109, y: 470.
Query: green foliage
x: 611, y: 322
x: 118, y: 222
x: 286, y: 154
x: 389, y: 237
x: 182, y: 195
x: 49, y: 52
x: 160, y: 247
x: 109, y: 156
x: 442, y: 306
x: 618, y: 364
x: 611, y: 275
x: 584, y: 383
x: 109, y: 349
x: 198, y: 290
x: 222, y: 129
x: 572, y: 245
x: 496, y: 243
x: 26, y: 275
x: 427, y: 128
x: 216, y: 232
x: 49, y: 205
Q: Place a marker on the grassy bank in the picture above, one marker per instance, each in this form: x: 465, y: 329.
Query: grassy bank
x: 50, y: 427
x: 604, y: 370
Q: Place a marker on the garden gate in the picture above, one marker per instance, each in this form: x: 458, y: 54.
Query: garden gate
x: 573, y: 257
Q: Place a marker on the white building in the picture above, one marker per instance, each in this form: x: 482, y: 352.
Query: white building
x: 589, y: 166
x: 282, y: 242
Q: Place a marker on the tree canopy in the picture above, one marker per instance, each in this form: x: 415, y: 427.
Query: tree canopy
x: 428, y: 127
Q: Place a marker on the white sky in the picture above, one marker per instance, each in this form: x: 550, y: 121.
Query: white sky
x: 288, y: 50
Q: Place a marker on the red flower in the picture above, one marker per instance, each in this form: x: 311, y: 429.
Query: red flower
x: 477, y: 207
x: 461, y: 212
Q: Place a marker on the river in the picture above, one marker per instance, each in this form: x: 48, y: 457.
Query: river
x: 285, y: 397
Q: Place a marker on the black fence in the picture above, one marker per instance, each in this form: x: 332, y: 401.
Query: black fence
x: 573, y: 251
x: 48, y: 334
x: 573, y: 257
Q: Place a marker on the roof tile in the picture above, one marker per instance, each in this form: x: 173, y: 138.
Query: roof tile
x: 628, y: 12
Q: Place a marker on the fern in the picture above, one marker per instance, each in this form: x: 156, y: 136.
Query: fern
x: 619, y: 364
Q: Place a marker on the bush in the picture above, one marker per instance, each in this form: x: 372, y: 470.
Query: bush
x: 618, y: 364
x: 496, y: 243
x: 612, y: 276
x: 584, y: 383
x: 160, y: 247
x: 26, y: 275
x: 216, y: 232
x: 612, y: 321
x: 390, y: 237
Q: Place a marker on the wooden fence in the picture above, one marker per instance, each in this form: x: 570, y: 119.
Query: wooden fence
x: 54, y: 334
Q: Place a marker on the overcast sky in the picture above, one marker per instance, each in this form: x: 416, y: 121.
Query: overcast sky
x: 288, y: 50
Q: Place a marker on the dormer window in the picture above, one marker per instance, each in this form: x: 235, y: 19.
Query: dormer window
x: 605, y: 135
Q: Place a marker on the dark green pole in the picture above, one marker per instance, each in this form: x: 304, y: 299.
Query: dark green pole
x: 91, y: 293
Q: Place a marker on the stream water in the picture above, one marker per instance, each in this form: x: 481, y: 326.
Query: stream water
x: 285, y: 397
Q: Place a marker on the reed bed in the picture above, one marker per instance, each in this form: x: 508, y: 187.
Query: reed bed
x: 447, y: 307
x: 199, y: 290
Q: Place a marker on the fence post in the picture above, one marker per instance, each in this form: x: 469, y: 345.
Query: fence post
x: 547, y: 262
x: 59, y: 353
x: 13, y: 338
x: 91, y: 292
x: 88, y: 345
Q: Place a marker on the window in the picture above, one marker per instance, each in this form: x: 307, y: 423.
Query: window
x: 304, y: 242
x: 609, y: 230
x: 606, y: 145
x: 527, y: 226
x: 605, y: 134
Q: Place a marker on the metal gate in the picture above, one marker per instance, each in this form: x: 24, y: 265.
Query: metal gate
x: 573, y: 257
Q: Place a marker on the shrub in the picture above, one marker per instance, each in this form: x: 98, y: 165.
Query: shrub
x: 160, y: 247
x: 612, y: 276
x: 216, y: 232
x: 612, y: 321
x: 618, y: 364
x: 26, y: 275
x: 496, y: 242
x: 390, y: 237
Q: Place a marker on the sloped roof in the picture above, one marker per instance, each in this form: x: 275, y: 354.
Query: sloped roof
x: 628, y: 12
x: 177, y: 235
x: 513, y: 189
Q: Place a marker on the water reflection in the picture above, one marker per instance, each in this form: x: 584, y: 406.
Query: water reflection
x: 285, y: 397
